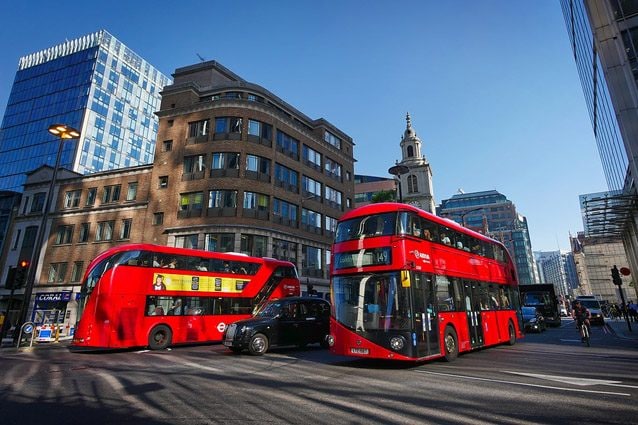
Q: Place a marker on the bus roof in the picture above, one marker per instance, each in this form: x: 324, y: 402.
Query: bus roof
x: 384, y: 207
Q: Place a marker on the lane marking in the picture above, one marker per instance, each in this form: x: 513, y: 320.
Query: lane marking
x: 583, y: 382
x: 523, y: 384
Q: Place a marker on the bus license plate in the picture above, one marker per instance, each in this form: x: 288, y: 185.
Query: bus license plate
x: 359, y: 351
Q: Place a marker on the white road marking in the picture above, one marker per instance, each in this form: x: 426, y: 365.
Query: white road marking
x: 583, y: 382
x: 524, y: 384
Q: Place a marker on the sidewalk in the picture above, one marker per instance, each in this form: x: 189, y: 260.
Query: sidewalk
x: 620, y: 329
x: 7, y: 343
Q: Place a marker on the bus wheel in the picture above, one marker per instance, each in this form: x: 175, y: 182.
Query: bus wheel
x: 160, y: 337
x: 451, y: 344
x: 512, y: 334
x: 258, y: 345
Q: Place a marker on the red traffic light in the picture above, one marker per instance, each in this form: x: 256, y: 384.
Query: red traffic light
x: 24, y: 264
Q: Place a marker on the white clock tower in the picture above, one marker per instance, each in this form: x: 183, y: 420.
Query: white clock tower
x: 416, y: 182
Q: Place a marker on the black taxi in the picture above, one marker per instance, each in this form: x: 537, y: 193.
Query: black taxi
x: 288, y: 321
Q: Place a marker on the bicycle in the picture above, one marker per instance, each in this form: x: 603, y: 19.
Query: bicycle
x: 584, y: 333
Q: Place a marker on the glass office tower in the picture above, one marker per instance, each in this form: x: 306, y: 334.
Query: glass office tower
x: 93, y: 83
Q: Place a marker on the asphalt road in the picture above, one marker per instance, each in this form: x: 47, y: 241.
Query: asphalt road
x: 545, y: 378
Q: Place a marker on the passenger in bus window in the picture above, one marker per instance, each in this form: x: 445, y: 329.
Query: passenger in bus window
x: 159, y: 283
x: 172, y: 264
x: 445, y: 239
x: 505, y: 302
x: 176, y: 309
x: 426, y: 235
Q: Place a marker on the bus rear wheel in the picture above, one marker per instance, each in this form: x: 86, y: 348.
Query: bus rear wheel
x: 160, y: 337
x: 451, y: 345
x: 258, y: 344
x: 512, y: 334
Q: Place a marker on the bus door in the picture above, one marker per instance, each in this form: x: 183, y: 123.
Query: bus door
x: 426, y: 324
x: 473, y: 312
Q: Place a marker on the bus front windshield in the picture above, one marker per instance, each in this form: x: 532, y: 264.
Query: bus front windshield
x: 367, y: 226
x: 372, y: 302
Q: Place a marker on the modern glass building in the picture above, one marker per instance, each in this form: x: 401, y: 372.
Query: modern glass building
x: 491, y: 213
x: 93, y: 83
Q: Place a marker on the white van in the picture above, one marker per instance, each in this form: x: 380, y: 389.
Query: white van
x: 593, y: 305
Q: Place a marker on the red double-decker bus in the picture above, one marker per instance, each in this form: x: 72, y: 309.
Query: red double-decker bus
x: 147, y: 295
x: 408, y: 285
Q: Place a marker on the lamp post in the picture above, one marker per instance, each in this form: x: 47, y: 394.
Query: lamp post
x: 466, y: 213
x: 63, y: 132
x: 397, y: 170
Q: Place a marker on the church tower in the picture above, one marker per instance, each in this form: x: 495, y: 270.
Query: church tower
x: 416, y: 183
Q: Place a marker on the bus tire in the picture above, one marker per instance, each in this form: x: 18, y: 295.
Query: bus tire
x: 450, y: 344
x: 258, y: 344
x: 160, y: 337
x: 512, y: 334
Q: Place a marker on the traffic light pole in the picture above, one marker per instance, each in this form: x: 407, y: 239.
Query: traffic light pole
x: 615, y: 277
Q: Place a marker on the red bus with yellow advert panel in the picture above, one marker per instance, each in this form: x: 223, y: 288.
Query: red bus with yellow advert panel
x: 408, y: 285
x: 142, y: 295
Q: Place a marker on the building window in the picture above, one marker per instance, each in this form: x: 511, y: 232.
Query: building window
x: 198, y: 128
x: 348, y: 175
x: 410, y: 151
x: 333, y: 168
x: 220, y: 242
x: 111, y: 193
x: 104, y: 231
x: 332, y: 139
x: 125, y: 230
x: 284, y: 250
x: 163, y: 182
x: 170, y: 122
x: 76, y: 271
x: 225, y: 161
x: 285, y: 210
x: 17, y: 239
x: 311, y: 261
x: 131, y: 193
x: 64, y: 235
x: 186, y: 241
x: 260, y: 129
x: 311, y: 186
x: 413, y: 186
x: 258, y: 165
x: 310, y: 218
x: 158, y: 218
x: 91, y: 195
x: 38, y: 202
x: 253, y: 245
x: 167, y: 145
x: 333, y: 196
x: 256, y: 201
x: 57, y: 272
x: 72, y: 199
x: 331, y: 224
x: 288, y: 144
x: 286, y: 178
x: 312, y: 157
x: 194, y: 164
x: 84, y: 232
x: 191, y: 201
x: 227, y: 125
x: 222, y: 199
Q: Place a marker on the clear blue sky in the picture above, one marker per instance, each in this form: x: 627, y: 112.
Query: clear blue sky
x: 491, y: 86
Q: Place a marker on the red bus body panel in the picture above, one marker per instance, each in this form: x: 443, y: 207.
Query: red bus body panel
x: 115, y: 316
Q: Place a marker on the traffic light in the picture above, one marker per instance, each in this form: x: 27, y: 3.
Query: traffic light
x: 615, y: 276
x: 20, y: 277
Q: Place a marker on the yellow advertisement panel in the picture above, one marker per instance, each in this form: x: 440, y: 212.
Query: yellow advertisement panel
x: 188, y: 282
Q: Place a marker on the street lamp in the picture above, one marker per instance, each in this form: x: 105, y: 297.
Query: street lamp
x: 63, y: 132
x: 466, y: 213
x: 397, y: 170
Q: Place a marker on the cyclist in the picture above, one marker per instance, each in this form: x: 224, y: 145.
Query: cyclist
x: 581, y: 315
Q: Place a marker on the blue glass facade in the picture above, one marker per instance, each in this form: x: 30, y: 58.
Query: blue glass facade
x: 94, y: 84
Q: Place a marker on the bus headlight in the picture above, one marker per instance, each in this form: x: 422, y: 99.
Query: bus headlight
x: 331, y: 340
x: 397, y: 343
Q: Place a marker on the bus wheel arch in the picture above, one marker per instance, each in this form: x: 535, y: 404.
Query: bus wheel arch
x: 160, y: 337
x: 511, y: 331
x: 450, y: 344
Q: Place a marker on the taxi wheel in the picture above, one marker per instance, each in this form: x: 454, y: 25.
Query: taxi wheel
x: 258, y: 344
